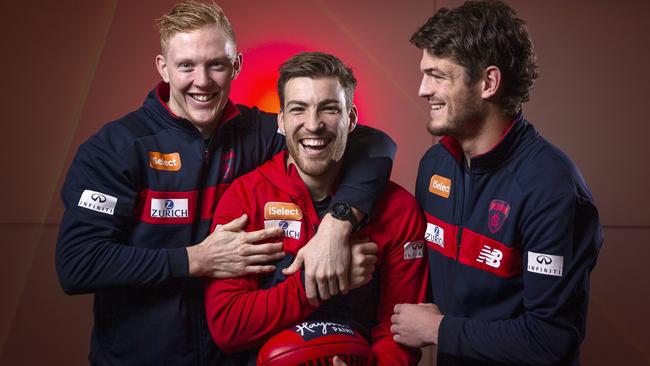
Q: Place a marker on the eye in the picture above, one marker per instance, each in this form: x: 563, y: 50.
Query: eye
x: 296, y: 110
x: 332, y: 109
x: 218, y: 66
x: 184, y: 66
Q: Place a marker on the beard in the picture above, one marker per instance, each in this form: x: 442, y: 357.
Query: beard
x: 460, y: 117
x: 322, y: 165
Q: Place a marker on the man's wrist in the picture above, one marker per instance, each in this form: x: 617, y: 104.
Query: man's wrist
x: 337, y: 229
x: 345, y: 212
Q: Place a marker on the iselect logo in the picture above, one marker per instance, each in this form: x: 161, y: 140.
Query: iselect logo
x: 282, y: 211
x: 440, y: 186
x: 173, y: 208
x: 169, y: 162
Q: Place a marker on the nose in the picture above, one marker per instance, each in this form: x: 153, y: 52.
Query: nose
x: 202, y: 77
x: 427, y: 87
x: 313, y: 122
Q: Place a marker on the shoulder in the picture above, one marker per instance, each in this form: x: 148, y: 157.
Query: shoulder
x: 546, y: 170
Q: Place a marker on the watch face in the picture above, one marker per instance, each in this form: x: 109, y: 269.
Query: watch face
x: 341, y: 210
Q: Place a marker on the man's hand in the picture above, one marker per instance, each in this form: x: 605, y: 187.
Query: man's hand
x: 416, y: 325
x: 228, y: 252
x: 364, y: 258
x: 326, y: 259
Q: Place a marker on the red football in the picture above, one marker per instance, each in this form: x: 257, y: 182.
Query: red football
x: 314, y: 343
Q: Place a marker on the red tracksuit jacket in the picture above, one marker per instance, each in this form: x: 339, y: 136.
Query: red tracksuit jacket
x: 243, y: 313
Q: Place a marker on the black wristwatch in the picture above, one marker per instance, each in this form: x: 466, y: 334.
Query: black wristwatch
x: 343, y: 211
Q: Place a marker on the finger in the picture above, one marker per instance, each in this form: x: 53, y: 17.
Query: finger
x: 397, y: 308
x: 235, y: 225
x: 336, y: 361
x: 263, y: 234
x: 311, y: 291
x: 394, y: 319
x: 333, y: 285
x: 344, y: 284
x: 295, y: 266
x: 323, y: 289
x: 258, y: 269
x: 393, y: 329
x: 263, y: 258
x: 368, y: 260
x: 368, y: 248
x: 256, y: 249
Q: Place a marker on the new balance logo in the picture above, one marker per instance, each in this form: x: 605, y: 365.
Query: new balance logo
x: 491, y: 257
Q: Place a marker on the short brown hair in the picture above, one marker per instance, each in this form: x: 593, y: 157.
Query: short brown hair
x: 479, y: 34
x: 190, y: 15
x: 314, y: 65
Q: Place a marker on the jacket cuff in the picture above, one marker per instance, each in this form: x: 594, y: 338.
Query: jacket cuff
x: 178, y: 263
x: 448, y: 333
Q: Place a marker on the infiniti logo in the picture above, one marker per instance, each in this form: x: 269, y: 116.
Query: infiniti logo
x: 544, y: 259
x: 98, y: 198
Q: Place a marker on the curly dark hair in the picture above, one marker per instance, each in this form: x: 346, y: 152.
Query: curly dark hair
x: 486, y: 33
x: 314, y: 65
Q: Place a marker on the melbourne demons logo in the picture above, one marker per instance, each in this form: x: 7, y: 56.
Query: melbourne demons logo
x: 497, y: 215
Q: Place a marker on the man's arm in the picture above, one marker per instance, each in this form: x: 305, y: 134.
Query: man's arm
x: 93, y: 251
x: 551, y: 328
x: 366, y: 169
x: 402, y: 277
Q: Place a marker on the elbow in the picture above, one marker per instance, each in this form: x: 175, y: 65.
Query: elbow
x: 71, y: 282
x: 561, y: 349
x: 227, y: 341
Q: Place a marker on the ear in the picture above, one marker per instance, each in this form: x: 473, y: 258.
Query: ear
x: 354, y: 118
x: 491, y: 82
x: 161, y: 65
x: 281, y: 122
x: 236, y: 66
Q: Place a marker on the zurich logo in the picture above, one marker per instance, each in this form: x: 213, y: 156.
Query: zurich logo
x: 169, y: 204
x: 284, y: 225
x: 436, y: 231
x: 544, y: 259
x: 98, y: 198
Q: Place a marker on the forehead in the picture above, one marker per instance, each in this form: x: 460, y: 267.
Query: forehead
x: 209, y: 41
x: 444, y: 64
x: 314, y: 90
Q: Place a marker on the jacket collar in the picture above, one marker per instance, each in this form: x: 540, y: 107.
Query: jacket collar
x: 517, y: 136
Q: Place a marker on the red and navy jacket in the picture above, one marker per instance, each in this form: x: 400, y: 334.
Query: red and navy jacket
x: 512, y: 240
x: 245, y: 312
x: 141, y: 190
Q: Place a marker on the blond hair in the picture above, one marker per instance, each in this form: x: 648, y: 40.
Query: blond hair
x: 190, y: 15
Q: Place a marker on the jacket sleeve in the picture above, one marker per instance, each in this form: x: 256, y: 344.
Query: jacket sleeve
x: 240, y: 315
x: 366, y: 167
x: 403, y: 279
x: 93, y: 251
x: 367, y: 163
x: 564, y: 228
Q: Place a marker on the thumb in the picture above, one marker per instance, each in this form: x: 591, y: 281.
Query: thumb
x: 295, y: 266
x: 235, y: 225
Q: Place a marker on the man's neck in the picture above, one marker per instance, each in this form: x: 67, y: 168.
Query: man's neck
x: 319, y: 187
x: 485, y: 136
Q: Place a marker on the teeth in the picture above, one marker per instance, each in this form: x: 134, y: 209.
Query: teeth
x: 202, y: 97
x: 437, y: 106
x: 314, y: 142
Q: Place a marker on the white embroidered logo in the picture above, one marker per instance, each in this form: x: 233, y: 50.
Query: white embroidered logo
x: 97, y: 201
x: 414, y: 249
x: 435, y: 234
x: 489, y: 256
x: 546, y: 264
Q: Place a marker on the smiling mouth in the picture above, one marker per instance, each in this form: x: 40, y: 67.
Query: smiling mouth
x: 437, y: 106
x: 202, y: 98
x: 314, y: 144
